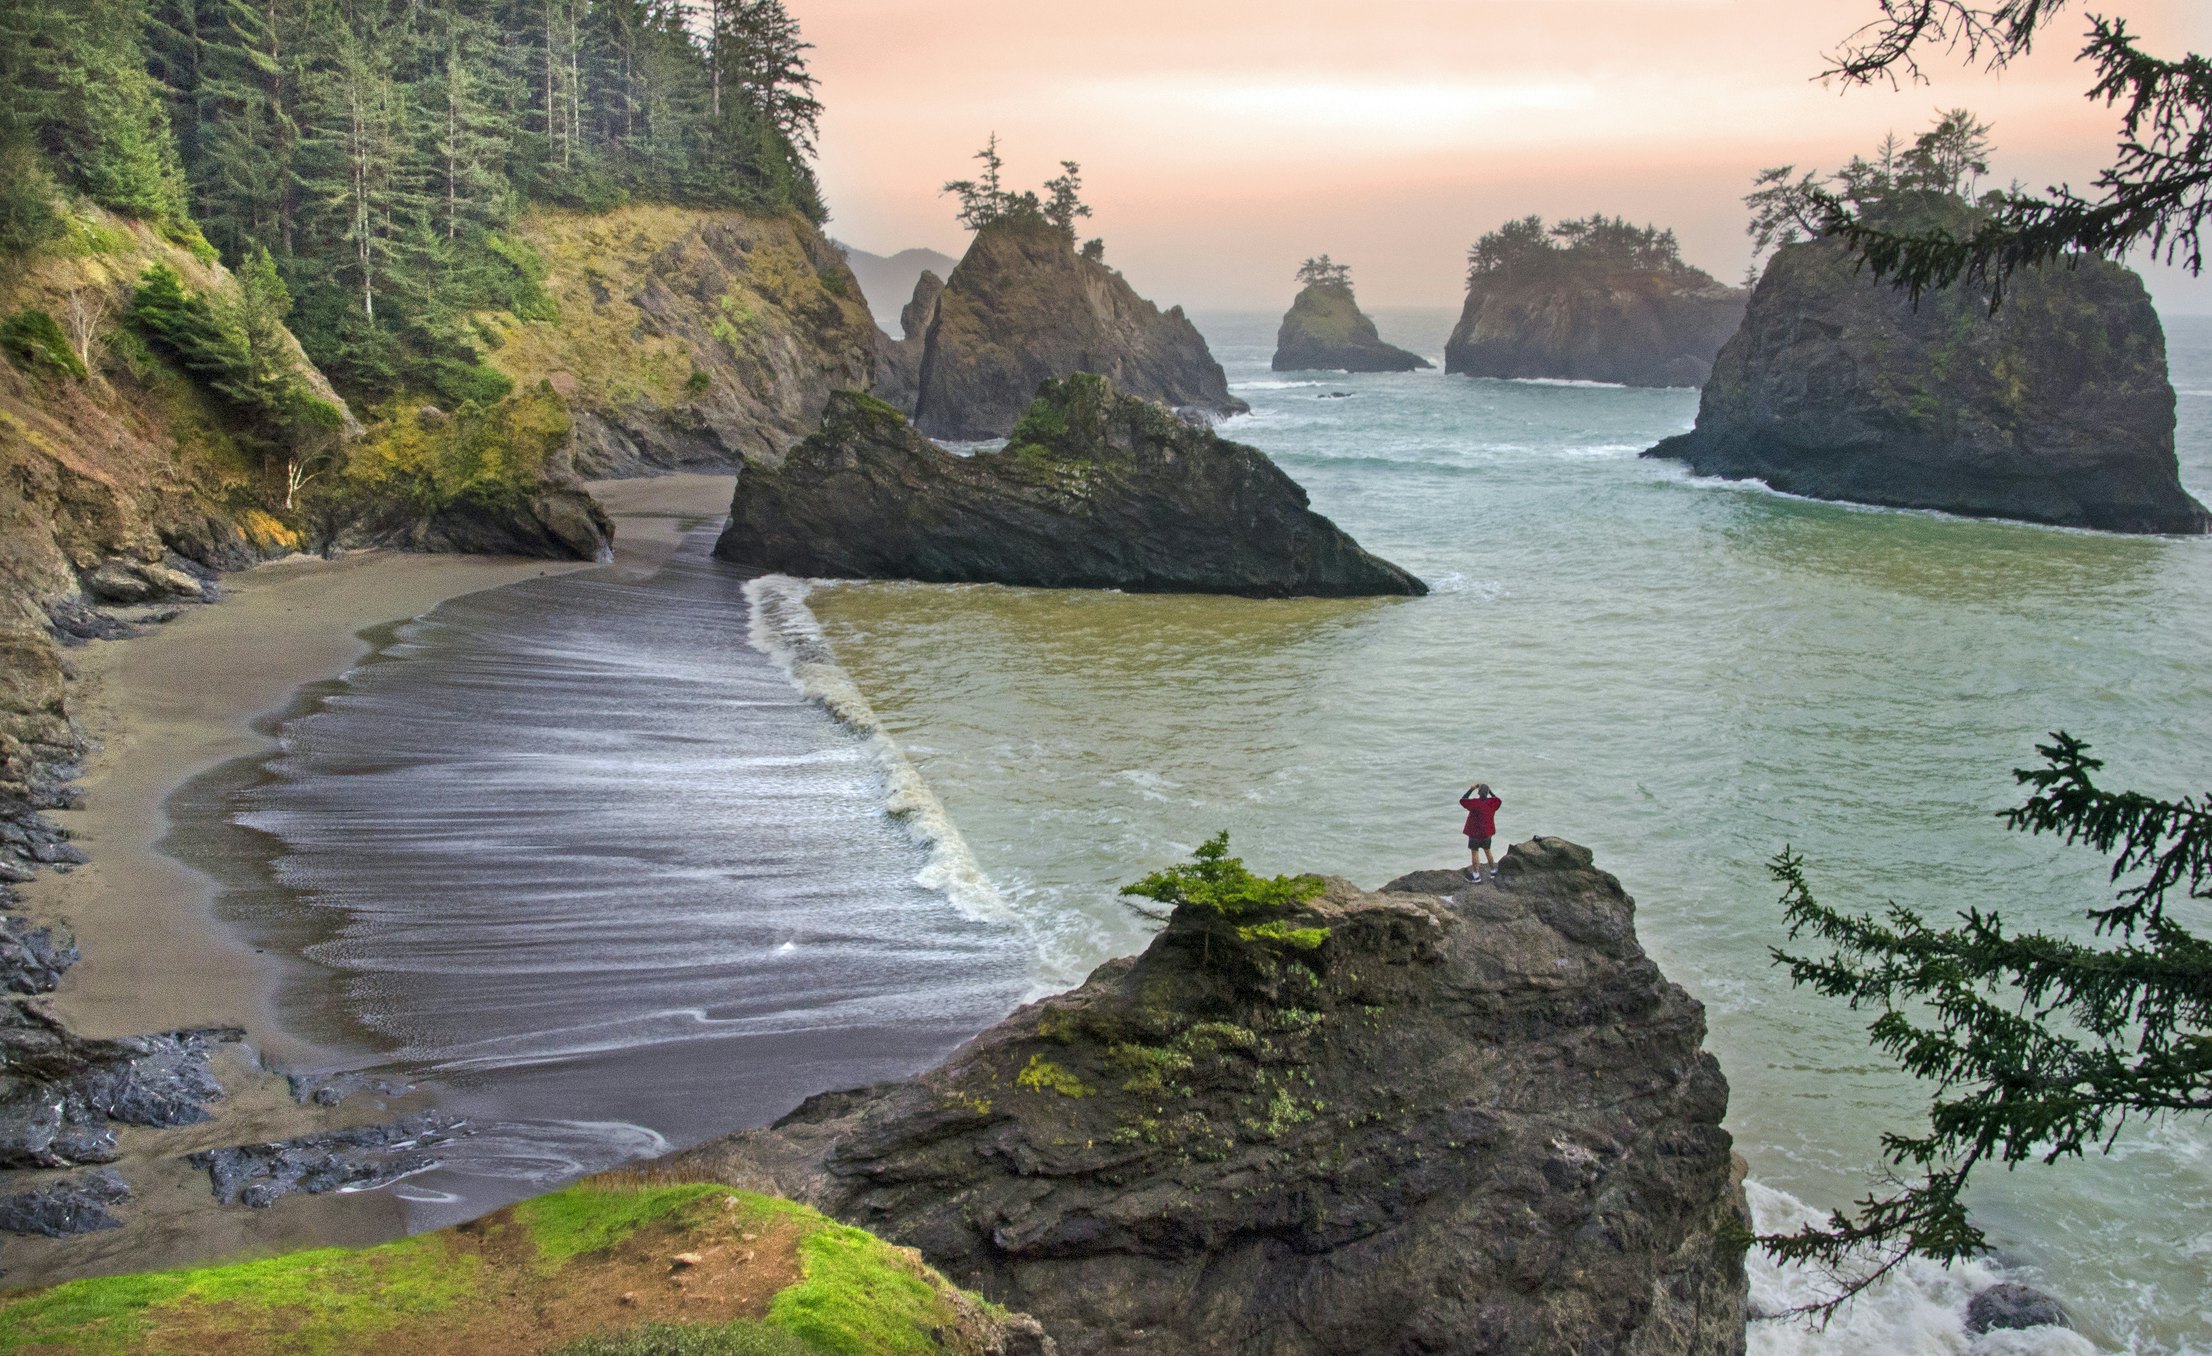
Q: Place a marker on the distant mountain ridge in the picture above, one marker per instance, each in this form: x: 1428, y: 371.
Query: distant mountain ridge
x: 888, y: 282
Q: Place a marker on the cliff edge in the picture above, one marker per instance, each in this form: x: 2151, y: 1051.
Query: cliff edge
x: 1439, y: 1117
x: 1325, y: 330
x: 1023, y: 308
x: 1095, y: 489
x: 2056, y: 409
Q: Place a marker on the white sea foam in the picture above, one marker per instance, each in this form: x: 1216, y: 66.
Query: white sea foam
x: 1917, y: 1310
x: 783, y: 628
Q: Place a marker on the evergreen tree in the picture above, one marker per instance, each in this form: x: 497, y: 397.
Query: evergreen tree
x: 1064, y: 201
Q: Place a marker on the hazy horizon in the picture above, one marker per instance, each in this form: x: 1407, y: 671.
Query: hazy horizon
x: 1222, y: 143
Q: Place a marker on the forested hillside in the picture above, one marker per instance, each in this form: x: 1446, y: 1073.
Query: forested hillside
x: 381, y: 150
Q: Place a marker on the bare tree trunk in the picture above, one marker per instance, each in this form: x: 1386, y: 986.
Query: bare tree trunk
x: 361, y: 218
x: 87, y: 308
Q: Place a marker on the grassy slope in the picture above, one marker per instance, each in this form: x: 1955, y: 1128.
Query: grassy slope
x: 590, y: 1270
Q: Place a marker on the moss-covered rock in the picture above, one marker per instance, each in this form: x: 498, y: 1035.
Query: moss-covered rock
x: 682, y: 337
x: 1095, y: 489
x: 1024, y: 308
x: 614, y: 1267
x: 1325, y: 330
x: 2055, y: 409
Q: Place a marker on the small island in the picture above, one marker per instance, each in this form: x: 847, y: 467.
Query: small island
x: 1026, y: 305
x: 1593, y: 300
x: 1095, y: 489
x: 2055, y: 408
x: 1325, y: 330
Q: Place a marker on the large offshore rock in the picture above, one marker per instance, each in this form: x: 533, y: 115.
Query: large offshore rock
x: 2056, y: 409
x: 1096, y: 490
x: 1479, y: 1121
x: 1590, y: 320
x: 1325, y: 330
x: 899, y: 361
x: 1024, y: 308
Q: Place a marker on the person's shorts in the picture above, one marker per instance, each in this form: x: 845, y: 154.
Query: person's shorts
x: 1475, y: 844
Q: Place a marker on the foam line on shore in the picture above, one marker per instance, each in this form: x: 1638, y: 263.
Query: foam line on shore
x: 782, y: 627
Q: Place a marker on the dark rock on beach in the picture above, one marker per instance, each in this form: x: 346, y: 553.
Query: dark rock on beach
x: 71, y: 1205
x: 1095, y: 490
x: 1474, y: 1119
x: 2056, y: 409
x: 32, y: 958
x: 357, y: 1158
x: 1024, y: 308
x: 61, y: 1093
x: 1325, y: 330
x: 2012, y: 1305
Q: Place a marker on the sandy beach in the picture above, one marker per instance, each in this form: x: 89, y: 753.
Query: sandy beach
x: 168, y: 706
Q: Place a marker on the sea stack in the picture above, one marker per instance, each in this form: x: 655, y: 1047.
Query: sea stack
x: 1095, y: 489
x: 2055, y: 409
x: 1025, y: 307
x: 1438, y: 1117
x: 1594, y: 300
x: 1325, y: 330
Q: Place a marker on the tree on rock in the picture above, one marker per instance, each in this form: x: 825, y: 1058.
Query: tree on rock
x: 2039, y: 1045
x: 1325, y: 272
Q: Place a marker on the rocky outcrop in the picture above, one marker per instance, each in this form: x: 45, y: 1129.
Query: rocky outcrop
x: 899, y: 361
x: 1096, y: 489
x: 885, y: 279
x: 1024, y: 308
x: 1325, y: 330
x: 685, y: 338
x: 2056, y: 409
x: 1475, y: 1118
x: 1589, y: 320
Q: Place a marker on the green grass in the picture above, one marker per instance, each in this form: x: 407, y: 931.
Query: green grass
x: 585, y: 1219
x: 329, y: 1300
x: 859, y: 1297
x: 746, y: 1337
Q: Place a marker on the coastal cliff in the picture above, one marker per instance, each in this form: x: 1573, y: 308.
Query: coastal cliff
x: 1612, y: 303
x: 683, y: 337
x: 2055, y: 409
x: 1438, y: 1117
x: 1095, y: 489
x: 1325, y: 330
x: 1024, y: 307
x: 899, y: 361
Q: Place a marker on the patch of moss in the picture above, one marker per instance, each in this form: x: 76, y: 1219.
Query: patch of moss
x: 331, y: 1300
x: 860, y: 1297
x: 1042, y: 1075
x: 588, y: 1219
x: 33, y: 341
x: 474, y: 454
x: 744, y: 1338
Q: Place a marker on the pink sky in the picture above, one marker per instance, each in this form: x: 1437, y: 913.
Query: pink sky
x: 1224, y: 140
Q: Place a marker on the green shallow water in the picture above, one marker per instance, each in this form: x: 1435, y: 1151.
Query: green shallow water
x: 1684, y: 675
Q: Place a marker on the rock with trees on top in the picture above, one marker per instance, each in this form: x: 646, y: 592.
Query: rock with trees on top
x: 2053, y: 408
x: 1325, y: 330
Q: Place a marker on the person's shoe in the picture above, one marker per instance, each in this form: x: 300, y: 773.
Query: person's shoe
x: 1471, y: 874
x: 1493, y: 875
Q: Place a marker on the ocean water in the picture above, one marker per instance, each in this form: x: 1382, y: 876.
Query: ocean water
x: 1685, y: 675
x: 610, y: 866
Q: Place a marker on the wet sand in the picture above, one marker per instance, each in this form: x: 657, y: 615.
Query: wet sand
x: 168, y: 706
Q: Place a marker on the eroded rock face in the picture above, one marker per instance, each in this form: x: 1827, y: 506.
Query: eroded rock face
x: 1096, y: 490
x: 1024, y: 308
x: 2056, y: 409
x: 1325, y: 330
x: 1478, y: 1121
x: 899, y: 362
x: 1594, y: 322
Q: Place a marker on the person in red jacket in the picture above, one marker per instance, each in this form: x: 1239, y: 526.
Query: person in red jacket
x: 1481, y: 805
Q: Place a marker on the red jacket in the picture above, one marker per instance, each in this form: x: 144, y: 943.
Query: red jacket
x: 1482, y: 815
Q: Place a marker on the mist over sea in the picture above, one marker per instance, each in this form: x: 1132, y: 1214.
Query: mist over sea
x: 619, y: 865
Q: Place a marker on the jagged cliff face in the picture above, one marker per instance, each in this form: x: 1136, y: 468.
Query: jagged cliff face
x: 899, y: 361
x: 2057, y: 409
x: 1024, y: 308
x: 1578, y: 321
x: 1095, y: 489
x: 1325, y: 330
x: 1476, y: 1119
x: 120, y: 486
x: 686, y: 338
